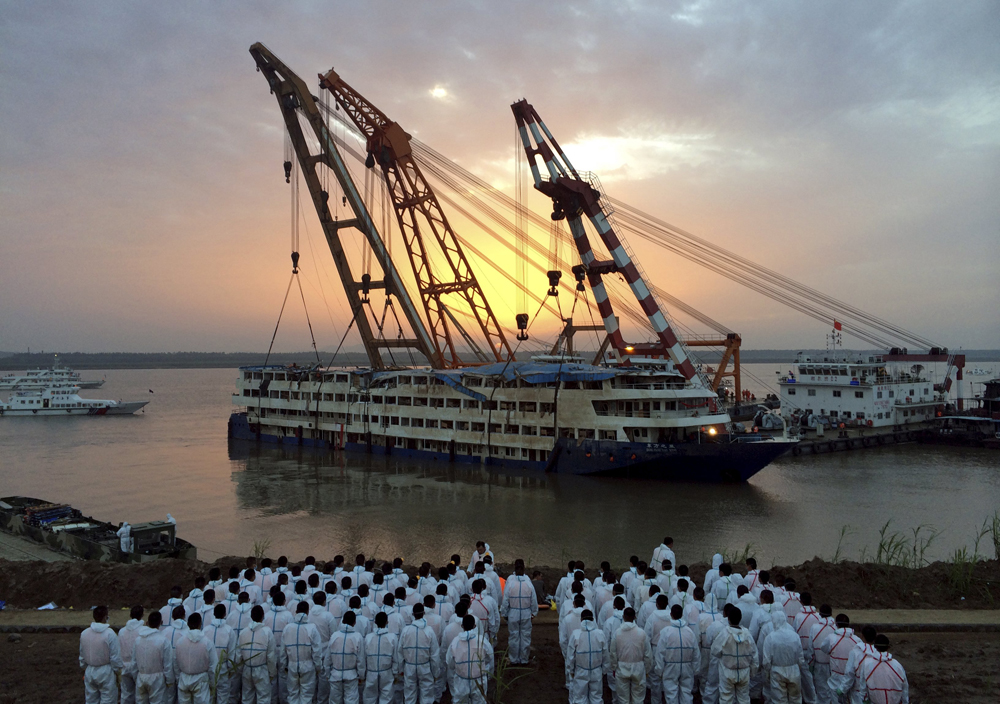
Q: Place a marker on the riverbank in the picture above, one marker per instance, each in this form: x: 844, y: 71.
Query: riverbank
x: 844, y: 585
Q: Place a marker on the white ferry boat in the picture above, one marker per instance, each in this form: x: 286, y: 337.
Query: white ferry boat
x: 64, y: 401
x: 842, y: 389
x: 553, y: 413
x: 56, y: 375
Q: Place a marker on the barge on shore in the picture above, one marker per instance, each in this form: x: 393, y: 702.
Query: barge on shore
x: 65, y: 529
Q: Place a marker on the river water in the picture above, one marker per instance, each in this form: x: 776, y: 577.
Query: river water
x: 225, y: 496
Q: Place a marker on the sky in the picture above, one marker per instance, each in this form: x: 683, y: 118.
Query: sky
x: 853, y: 146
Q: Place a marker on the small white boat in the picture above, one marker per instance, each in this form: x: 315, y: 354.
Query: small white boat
x: 56, y: 375
x: 64, y: 401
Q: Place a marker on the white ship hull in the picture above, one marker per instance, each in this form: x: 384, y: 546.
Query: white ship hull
x: 125, y: 408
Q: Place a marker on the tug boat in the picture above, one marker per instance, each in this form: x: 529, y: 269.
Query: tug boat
x: 64, y: 401
x: 554, y: 413
x: 56, y: 375
x: 65, y: 529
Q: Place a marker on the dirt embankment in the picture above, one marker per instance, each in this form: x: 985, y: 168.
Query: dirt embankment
x: 844, y: 585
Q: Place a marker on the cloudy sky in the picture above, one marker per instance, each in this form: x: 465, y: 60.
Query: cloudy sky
x: 854, y: 146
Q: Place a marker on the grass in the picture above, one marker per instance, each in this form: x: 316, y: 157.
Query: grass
x: 838, y: 554
x: 900, y: 549
x: 503, y: 677
x: 991, y: 526
x: 260, y: 547
x: 739, y: 556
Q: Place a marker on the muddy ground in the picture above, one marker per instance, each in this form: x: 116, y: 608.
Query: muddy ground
x: 949, y: 667
x: 846, y: 585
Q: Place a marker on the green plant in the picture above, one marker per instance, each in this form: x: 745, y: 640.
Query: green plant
x: 838, y: 554
x: 261, y: 546
x: 502, y: 678
x: 737, y: 557
x: 992, y: 526
x: 896, y: 549
x: 963, y: 563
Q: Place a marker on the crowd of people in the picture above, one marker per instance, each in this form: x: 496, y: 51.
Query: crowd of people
x: 341, y: 633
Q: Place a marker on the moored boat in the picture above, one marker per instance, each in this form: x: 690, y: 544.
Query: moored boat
x: 65, y: 529
x: 56, y: 375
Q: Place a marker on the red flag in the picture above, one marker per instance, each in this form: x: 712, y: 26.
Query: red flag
x: 837, y: 326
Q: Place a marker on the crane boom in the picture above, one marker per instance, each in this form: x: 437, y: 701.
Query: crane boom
x: 294, y: 98
x: 573, y: 197
x: 418, y: 211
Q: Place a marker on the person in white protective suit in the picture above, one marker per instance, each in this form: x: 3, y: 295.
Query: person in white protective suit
x: 324, y: 621
x: 752, y: 580
x: 849, y: 684
x: 125, y: 541
x: 791, y: 600
x: 381, y: 662
x: 224, y: 638
x: 256, y: 648
x: 519, y: 607
x: 484, y: 607
x: 344, y: 661
x: 802, y: 624
x: 664, y: 551
x: 195, y: 660
x: 712, y: 574
x: 738, y: 660
x: 763, y: 614
x: 195, y: 600
x: 783, y: 661
x: 175, y: 600
x: 818, y: 660
x: 617, y: 592
x: 838, y: 646
x: 277, y: 618
x: 173, y: 632
x: 481, y: 551
x: 747, y: 604
x: 725, y: 587
x: 126, y: 644
x: 666, y: 579
x: 677, y: 658
x: 571, y: 622
x: 300, y: 655
x: 100, y: 659
x: 611, y: 625
x: 589, y: 660
x: 492, y: 578
x: 654, y: 625
x: 648, y: 607
x: 631, y: 658
x: 154, y: 663
x: 470, y: 663
x: 630, y: 575
x: 884, y: 679
x: 420, y: 657
x: 711, y: 624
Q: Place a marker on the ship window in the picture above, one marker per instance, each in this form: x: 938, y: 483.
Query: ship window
x: 420, y: 380
x: 529, y: 407
x: 891, y: 394
x: 478, y: 427
x: 566, y: 432
x: 656, y: 405
x: 454, y: 403
x: 246, y: 392
x: 878, y: 394
x: 859, y: 416
x: 341, y: 397
x: 461, y: 425
x: 490, y: 405
x: 586, y: 433
x: 547, y: 432
x: 593, y: 385
x: 431, y: 423
x: 925, y: 391
x: 812, y: 392
x: 405, y: 422
x: 512, y: 430
x: 447, y: 425
x: 880, y: 416
x: 791, y: 392
x: 341, y: 379
x: 508, y: 405
x: 417, y: 422
x: 833, y: 414
x: 390, y: 400
x: 911, y: 392
x: 473, y: 381
x: 836, y: 394
x: 403, y: 401
x: 437, y: 403
x: 548, y: 408
x: 609, y: 435
x: 376, y: 399
x: 394, y: 420
x: 571, y: 385
x: 471, y: 403
x: 529, y: 430
x: 859, y: 394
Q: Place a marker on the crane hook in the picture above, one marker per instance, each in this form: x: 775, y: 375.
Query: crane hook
x: 288, y: 172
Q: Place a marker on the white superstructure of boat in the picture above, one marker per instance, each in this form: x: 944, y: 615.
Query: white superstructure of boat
x: 64, y: 401
x: 56, y: 375
x: 843, y: 389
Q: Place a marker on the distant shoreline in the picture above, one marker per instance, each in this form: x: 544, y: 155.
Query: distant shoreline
x: 19, y: 361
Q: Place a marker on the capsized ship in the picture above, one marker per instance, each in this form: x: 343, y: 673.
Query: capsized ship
x: 637, y: 408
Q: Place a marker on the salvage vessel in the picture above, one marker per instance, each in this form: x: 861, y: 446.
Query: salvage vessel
x: 65, y: 529
x: 636, y: 408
